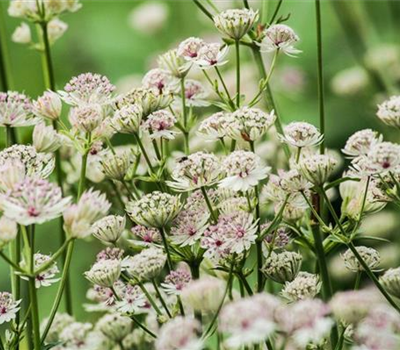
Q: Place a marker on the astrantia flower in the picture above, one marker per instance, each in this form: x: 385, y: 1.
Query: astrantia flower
x: 147, y: 235
x: 47, y: 106
x: 243, y: 171
x: 161, y: 80
x: 204, y: 294
x: 45, y: 138
x: 104, y: 272
x: 249, y: 124
x: 369, y: 255
x: 248, y: 321
x: 301, y: 134
x: 189, y: 48
x: 213, y: 128
x: 34, y: 201
x: 175, y: 281
x: 110, y: 253
x: 78, y: 218
x: 56, y: 29
x: 146, y: 265
x: 389, y: 111
x: 109, y: 228
x: 195, y: 93
x: 8, y: 230
x: 212, y: 55
x: 280, y: 37
x: 127, y: 119
x: 283, y: 267
x: 8, y: 307
x: 180, y: 333
x: 159, y: 123
x: 74, y: 335
x: 235, y: 23
x: 317, y: 168
x: 116, y: 166
x: 233, y: 234
x: 131, y: 300
x: 22, y: 34
x: 46, y: 277
x: 361, y: 142
x: 174, y: 63
x: 61, y: 321
x: 305, y: 285
x: 384, y: 157
x: 156, y: 209
x: 86, y: 117
x: 88, y: 88
x: 16, y: 110
x: 391, y: 281
x: 197, y: 170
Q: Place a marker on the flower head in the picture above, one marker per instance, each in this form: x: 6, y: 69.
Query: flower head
x: 46, y: 277
x: 212, y: 55
x: 34, y: 201
x: 391, y: 281
x: 8, y: 230
x: 243, y: 171
x: 74, y: 335
x: 195, y: 93
x: 116, y: 166
x: 148, y: 235
x: 369, y: 255
x: 361, y: 142
x: 317, y: 168
x: 301, y: 134
x: 22, y: 34
x: 56, y: 29
x: 283, y: 267
x: 389, y: 112
x: 109, y: 228
x: 156, y: 209
x: 159, y: 79
x: 176, y: 64
x: 280, y: 37
x: 45, y: 138
x: 104, y: 272
x: 159, y: 124
x: 176, y: 280
x: 88, y: 88
x: 235, y: 23
x: 115, y: 326
x: 132, y: 299
x: 305, y: 285
x: 8, y: 307
x: 61, y: 321
x: 146, y: 265
x: 214, y: 127
x: 189, y: 48
x: 16, y: 110
x: 87, y: 117
x: 127, y: 119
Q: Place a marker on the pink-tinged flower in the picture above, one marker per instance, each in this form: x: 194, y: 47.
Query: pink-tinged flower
x: 175, y: 281
x: 180, y: 333
x: 301, y: 134
x: 361, y: 143
x: 212, y: 55
x: 235, y: 23
x: 34, y: 201
x: 389, y: 112
x: 16, y: 110
x: 132, y: 300
x: 161, y: 80
x: 280, y: 37
x: 8, y: 307
x: 243, y: 171
x: 147, y: 235
x: 214, y: 127
x: 159, y: 125
x: 195, y: 93
x: 234, y: 233
x: 104, y: 272
x: 248, y: 321
x: 87, y: 117
x: 189, y: 48
x: 88, y: 88
x: 110, y: 254
x: 174, y: 63
x: 46, y: 277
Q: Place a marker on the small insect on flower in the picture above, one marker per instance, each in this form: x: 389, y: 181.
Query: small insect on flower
x: 16, y: 110
x: 34, y: 201
x: 243, y: 171
x: 8, y: 307
x: 159, y: 125
x: 301, y: 134
x: 189, y: 48
x: 109, y: 229
x: 389, y: 112
x: 212, y: 55
x: 235, y: 23
x: 279, y: 37
x: 48, y: 106
x: 46, y: 277
x: 104, y: 272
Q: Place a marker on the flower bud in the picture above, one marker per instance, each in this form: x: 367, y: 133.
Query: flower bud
x: 127, y: 120
x: 115, y: 326
x: 174, y: 63
x: 87, y: 117
x: 305, y: 285
x: 48, y: 106
x: 317, y: 168
x: 235, y: 23
x: 116, y: 166
x: 283, y: 267
x: 369, y: 255
x: 104, y: 272
x: 56, y: 28
x: 146, y: 265
x: 391, y: 281
x: 8, y: 230
x: 109, y: 228
x: 45, y: 138
x: 22, y: 34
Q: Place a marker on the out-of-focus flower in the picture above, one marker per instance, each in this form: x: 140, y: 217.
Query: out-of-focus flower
x: 389, y: 112
x: 16, y: 110
x: 249, y: 320
x: 189, y: 48
x: 86, y: 118
x: 45, y: 138
x: 146, y: 265
x: 46, y: 277
x: 8, y: 230
x: 149, y: 17
x: 131, y: 300
x: 61, y: 321
x: 235, y: 23
x: 301, y: 134
x: 195, y: 93
x: 109, y: 229
x: 159, y: 123
x: 87, y: 88
x: 213, y: 128
x: 22, y: 34
x: 8, y: 306
x: 361, y: 143
x: 78, y: 218
x: 34, y: 201
x: 280, y: 37
x: 147, y: 235
x: 305, y: 285
x: 204, y: 294
x: 391, y: 281
x: 283, y: 267
x: 160, y: 79
x: 369, y: 255
x: 180, y: 333
x: 174, y: 63
x: 156, y: 209
x: 104, y: 272
x: 351, y: 81
x: 317, y: 168
x: 212, y: 55
x: 175, y: 281
x: 56, y: 29
x: 199, y: 169
x: 48, y: 106
x: 243, y: 171
x: 74, y: 335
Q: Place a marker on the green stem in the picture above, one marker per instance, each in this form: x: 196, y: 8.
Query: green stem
x: 357, y: 280
x: 278, y: 6
x: 320, y: 76
x: 150, y: 299
x: 237, y: 50
x: 82, y: 180
x: 166, y: 247
x: 142, y: 326
x: 245, y: 283
x: 146, y: 156
x: 130, y: 194
x: 214, y: 216
x: 34, y: 314
x: 48, y: 70
x: 372, y: 276
x: 5, y: 71
x: 184, y: 115
x: 14, y: 266
x: 163, y: 303
x: 224, y: 86
x: 203, y: 9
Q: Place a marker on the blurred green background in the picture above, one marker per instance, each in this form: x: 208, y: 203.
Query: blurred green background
x: 110, y: 38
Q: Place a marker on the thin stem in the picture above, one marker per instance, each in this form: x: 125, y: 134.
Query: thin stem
x: 357, y: 280
x: 320, y: 76
x: 146, y: 156
x: 11, y: 263
x: 48, y: 70
x: 82, y: 180
x: 130, y: 194
x: 372, y: 276
x: 166, y: 247
x: 245, y: 283
x: 163, y: 303
x: 214, y: 216
x: 278, y: 6
x: 142, y: 326
x: 203, y: 9
x: 53, y: 258
x: 60, y: 290
x: 237, y: 50
x: 184, y: 115
x: 331, y: 209
x: 150, y: 299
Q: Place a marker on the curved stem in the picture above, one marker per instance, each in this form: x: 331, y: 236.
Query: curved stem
x: 48, y: 70
x: 142, y: 326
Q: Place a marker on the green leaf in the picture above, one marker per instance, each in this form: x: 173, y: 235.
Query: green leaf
x: 372, y: 238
